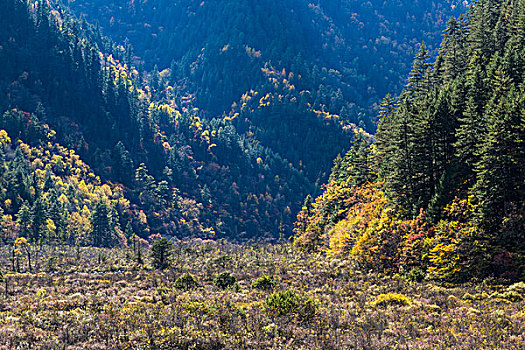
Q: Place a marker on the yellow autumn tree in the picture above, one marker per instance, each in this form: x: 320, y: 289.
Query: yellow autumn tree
x: 4, y: 138
x: 458, y: 246
x: 79, y: 227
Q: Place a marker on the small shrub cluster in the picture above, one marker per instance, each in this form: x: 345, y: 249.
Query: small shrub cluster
x: 507, y: 295
x: 225, y: 280
x: 186, y: 282
x: 265, y: 283
x: 287, y: 302
x: 517, y: 288
x: 416, y: 274
x: 390, y: 299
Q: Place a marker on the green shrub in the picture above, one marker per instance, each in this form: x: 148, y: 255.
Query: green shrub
x: 284, y: 303
x: 384, y: 300
x: 225, y: 280
x: 186, y: 281
x: 416, y: 275
x: 265, y: 283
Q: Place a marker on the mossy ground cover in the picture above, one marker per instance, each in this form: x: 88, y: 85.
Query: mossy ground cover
x: 92, y: 298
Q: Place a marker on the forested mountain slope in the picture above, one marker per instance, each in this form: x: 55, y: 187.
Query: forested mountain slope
x: 362, y: 48
x: 182, y: 175
x: 316, y: 69
x: 442, y: 189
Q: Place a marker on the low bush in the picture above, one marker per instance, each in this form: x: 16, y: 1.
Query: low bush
x: 285, y: 303
x: 186, y: 282
x: 265, y: 283
x: 225, y: 280
x: 518, y: 288
x: 390, y: 299
x: 416, y: 275
x: 507, y: 295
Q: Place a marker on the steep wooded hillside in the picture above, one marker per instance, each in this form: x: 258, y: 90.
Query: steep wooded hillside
x: 184, y: 176
x: 316, y: 68
x: 441, y: 190
x: 363, y: 49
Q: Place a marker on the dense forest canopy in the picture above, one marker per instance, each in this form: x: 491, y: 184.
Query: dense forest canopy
x: 363, y: 49
x: 298, y: 62
x: 441, y: 190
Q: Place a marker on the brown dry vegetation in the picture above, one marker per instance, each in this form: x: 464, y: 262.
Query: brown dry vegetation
x: 92, y: 298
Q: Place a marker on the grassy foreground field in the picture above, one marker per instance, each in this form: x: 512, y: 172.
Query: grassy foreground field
x: 92, y: 298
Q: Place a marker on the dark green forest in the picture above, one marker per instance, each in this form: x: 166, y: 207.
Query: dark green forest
x: 347, y: 53
x: 335, y: 57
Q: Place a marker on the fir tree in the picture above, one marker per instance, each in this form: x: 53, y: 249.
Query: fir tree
x: 453, y: 49
x: 101, y: 224
x: 161, y: 252
x: 418, y: 80
x: 500, y: 174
